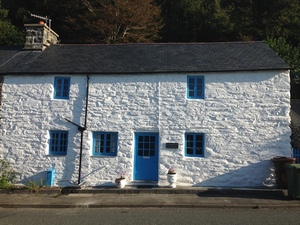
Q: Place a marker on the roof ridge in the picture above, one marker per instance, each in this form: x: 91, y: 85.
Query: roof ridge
x: 162, y: 43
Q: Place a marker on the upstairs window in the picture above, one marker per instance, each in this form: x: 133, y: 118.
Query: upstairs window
x: 61, y: 87
x: 58, y: 142
x: 194, y: 145
x: 195, y: 87
x: 105, y: 143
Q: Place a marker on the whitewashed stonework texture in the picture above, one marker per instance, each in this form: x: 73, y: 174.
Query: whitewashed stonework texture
x: 245, y: 118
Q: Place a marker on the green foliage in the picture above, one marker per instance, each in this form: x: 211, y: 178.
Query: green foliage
x: 289, y: 53
x: 93, y: 21
x: 33, y: 186
x: 7, y: 175
x: 111, y: 21
x: 295, y: 137
x: 9, y: 34
x: 195, y: 20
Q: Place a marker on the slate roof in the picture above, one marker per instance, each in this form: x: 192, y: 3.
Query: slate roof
x: 7, y: 53
x: 145, y: 58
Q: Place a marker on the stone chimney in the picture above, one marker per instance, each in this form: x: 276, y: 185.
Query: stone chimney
x: 39, y: 37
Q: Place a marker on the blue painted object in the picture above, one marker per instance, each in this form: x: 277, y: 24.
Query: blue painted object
x: 296, y: 154
x: 105, y: 143
x: 50, y: 177
x: 195, y: 87
x: 146, y: 157
x: 58, y: 142
x: 194, y: 144
x: 61, y: 87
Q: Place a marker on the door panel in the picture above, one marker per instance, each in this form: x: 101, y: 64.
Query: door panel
x: 146, y: 156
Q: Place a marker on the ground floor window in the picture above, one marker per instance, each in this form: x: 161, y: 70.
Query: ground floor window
x: 58, y: 142
x: 194, y: 144
x: 105, y: 143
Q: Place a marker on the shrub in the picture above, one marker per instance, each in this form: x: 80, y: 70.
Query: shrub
x: 7, y: 175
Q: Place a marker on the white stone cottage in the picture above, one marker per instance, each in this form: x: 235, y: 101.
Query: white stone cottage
x: 215, y: 112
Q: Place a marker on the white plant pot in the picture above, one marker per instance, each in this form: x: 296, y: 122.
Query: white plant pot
x: 120, y: 183
x: 172, y: 178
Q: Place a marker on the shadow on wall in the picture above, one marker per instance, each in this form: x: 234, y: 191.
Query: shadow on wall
x: 39, y: 179
x: 68, y: 175
x: 259, y: 174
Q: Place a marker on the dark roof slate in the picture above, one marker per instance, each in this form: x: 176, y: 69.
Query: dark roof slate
x: 145, y: 58
x: 6, y: 53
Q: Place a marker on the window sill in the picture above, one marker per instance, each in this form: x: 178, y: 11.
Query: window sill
x: 56, y: 155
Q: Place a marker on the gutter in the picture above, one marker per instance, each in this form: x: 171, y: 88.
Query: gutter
x: 171, y: 72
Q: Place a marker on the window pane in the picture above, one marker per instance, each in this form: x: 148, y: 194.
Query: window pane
x: 152, y: 146
x: 199, y: 93
x: 199, y: 81
x: 199, y: 151
x: 194, y: 145
x: 58, y: 142
x: 199, y: 137
x: 105, y: 143
x: 152, y: 139
x: 189, y: 150
x: 65, y: 94
x: 195, y: 87
x: 189, y: 144
x: 147, y: 143
x: 61, y: 87
x: 189, y: 137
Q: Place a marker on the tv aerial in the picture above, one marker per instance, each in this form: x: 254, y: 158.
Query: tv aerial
x: 47, y: 20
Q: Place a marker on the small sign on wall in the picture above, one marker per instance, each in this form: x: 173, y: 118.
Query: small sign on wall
x: 172, y: 145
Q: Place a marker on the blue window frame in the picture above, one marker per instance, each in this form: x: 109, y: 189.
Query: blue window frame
x: 195, y: 87
x: 296, y: 154
x: 105, y: 143
x: 194, y: 144
x: 61, y: 87
x: 58, y: 142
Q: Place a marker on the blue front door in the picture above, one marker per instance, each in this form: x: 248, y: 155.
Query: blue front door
x: 146, y: 157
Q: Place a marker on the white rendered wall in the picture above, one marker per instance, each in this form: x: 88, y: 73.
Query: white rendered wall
x: 245, y: 118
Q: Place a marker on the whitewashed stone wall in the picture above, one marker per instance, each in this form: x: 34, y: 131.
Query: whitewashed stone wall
x: 245, y: 118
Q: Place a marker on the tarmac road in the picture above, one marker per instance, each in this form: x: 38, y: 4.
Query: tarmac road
x: 151, y: 216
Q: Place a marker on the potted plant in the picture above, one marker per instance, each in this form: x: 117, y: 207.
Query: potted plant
x: 121, y: 181
x: 172, y: 178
